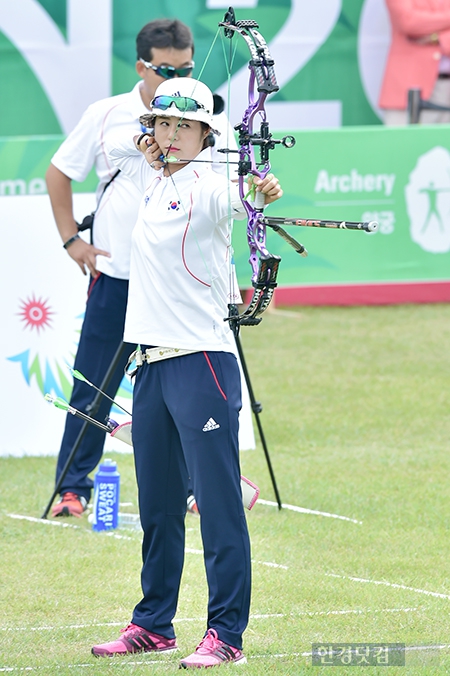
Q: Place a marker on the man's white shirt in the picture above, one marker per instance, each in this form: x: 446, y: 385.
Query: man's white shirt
x: 85, y: 147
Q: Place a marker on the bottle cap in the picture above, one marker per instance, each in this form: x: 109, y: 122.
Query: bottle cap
x: 108, y: 465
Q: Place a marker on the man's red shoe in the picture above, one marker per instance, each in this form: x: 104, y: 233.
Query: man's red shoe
x: 70, y: 504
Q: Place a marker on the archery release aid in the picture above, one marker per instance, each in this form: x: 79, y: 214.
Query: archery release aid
x: 106, y: 496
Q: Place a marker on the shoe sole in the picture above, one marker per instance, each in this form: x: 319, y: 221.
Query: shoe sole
x: 135, y: 652
x: 66, y: 512
x: 241, y: 660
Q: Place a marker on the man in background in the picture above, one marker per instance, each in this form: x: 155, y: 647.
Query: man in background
x: 165, y: 49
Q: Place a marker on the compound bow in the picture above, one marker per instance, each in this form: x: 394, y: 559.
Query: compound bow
x: 262, y: 82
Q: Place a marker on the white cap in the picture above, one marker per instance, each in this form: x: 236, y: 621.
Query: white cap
x: 189, y: 88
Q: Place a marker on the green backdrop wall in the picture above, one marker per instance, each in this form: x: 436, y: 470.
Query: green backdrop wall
x: 57, y: 56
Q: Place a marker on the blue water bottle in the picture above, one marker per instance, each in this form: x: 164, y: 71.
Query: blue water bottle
x: 106, y: 496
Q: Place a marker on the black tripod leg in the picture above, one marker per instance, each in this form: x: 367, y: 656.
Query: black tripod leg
x: 93, y: 408
x: 257, y: 408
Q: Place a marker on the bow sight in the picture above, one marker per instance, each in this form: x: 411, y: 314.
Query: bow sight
x: 261, y: 67
x: 264, y: 140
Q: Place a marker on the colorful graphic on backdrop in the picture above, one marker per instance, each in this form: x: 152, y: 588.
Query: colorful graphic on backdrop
x: 329, y: 56
x: 37, y: 363
x: 50, y: 378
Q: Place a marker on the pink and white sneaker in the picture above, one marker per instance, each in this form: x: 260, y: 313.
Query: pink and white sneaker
x: 135, y: 639
x: 211, y: 651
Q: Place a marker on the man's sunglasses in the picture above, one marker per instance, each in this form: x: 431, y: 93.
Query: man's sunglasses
x: 169, y: 71
x: 183, y: 103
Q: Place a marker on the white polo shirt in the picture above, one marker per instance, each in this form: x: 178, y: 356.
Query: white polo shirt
x: 180, y: 260
x: 84, y: 148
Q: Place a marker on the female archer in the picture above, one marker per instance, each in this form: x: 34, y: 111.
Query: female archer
x: 187, y: 391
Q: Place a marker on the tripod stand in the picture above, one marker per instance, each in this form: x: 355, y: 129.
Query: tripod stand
x: 257, y: 408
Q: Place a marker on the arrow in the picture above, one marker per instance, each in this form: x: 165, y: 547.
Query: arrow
x: 64, y: 406
x: 79, y: 376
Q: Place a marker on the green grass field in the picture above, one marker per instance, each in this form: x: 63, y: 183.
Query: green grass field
x: 356, y: 417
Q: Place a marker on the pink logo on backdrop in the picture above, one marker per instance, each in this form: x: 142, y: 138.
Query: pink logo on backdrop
x: 35, y: 313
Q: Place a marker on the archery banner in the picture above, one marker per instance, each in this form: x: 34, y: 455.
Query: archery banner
x: 399, y: 177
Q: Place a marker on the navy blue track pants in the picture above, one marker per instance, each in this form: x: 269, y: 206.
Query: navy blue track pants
x: 101, y: 335
x: 185, y: 424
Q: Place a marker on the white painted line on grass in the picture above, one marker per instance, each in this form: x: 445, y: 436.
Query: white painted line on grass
x: 359, y: 611
x: 166, y: 662
x: 64, y: 524
x: 65, y: 627
x: 269, y: 564
x: 253, y: 616
x: 391, y: 584
x: 304, y: 510
x: 118, y: 536
x: 114, y: 663
x: 189, y: 550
